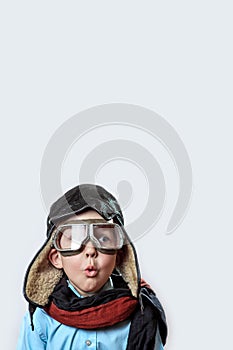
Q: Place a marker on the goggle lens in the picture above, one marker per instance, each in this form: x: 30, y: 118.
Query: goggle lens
x: 108, y: 236
x: 71, y: 237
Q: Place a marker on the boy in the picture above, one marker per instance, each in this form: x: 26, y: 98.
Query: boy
x: 83, y: 286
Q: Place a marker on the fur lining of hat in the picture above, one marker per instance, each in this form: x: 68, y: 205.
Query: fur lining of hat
x: 128, y: 269
x: 42, y: 278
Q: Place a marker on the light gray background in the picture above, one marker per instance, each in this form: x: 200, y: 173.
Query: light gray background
x: 174, y: 57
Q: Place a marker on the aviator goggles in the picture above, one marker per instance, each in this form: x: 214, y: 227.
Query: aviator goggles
x: 70, y: 238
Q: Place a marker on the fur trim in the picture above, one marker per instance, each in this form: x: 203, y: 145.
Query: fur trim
x: 42, y: 278
x: 128, y: 269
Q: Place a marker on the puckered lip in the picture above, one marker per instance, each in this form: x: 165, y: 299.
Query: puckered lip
x: 90, y: 268
x: 90, y: 271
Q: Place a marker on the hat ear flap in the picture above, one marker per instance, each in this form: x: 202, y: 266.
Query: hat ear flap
x: 126, y: 265
x: 41, y: 278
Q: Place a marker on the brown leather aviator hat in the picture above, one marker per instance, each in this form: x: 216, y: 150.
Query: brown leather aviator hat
x: 42, y: 277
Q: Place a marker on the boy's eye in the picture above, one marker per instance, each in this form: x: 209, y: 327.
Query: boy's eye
x: 104, y: 239
x: 105, y: 236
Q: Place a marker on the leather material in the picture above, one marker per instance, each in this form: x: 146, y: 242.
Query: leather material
x: 83, y: 197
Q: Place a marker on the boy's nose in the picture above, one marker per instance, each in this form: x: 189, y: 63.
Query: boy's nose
x: 90, y: 250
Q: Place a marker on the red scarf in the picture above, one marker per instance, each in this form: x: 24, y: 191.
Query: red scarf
x: 97, y: 316
x: 100, y: 310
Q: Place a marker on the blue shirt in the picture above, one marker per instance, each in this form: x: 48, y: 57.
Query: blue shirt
x: 50, y: 334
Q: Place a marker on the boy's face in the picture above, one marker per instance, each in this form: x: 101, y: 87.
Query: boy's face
x: 89, y: 270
